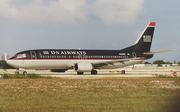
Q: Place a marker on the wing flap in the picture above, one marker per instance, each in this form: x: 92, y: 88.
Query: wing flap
x: 105, y: 63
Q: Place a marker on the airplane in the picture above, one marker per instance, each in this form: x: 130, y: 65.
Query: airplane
x: 61, y: 60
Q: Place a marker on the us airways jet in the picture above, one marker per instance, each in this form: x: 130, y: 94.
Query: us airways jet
x: 60, y: 60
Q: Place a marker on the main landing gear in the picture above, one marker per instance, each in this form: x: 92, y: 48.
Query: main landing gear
x: 80, y: 73
x: 24, y: 72
x: 93, y: 72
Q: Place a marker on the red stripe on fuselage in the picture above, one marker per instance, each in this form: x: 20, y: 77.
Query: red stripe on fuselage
x: 74, y: 59
x: 140, y: 59
x: 63, y: 59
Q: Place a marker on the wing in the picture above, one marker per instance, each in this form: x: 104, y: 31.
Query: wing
x: 105, y: 63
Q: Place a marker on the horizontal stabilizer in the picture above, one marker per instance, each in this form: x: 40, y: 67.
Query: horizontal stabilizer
x: 150, y: 53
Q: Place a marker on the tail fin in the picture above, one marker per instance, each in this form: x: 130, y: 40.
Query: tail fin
x: 143, y: 44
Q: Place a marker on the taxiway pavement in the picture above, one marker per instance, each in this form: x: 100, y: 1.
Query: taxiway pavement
x: 94, y: 76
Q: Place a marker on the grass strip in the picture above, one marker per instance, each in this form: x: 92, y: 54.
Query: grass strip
x: 22, y: 76
x: 97, y: 95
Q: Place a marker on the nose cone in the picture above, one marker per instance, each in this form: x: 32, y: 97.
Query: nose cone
x: 11, y: 63
x: 8, y: 62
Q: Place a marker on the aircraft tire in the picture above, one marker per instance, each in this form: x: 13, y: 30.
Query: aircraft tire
x: 123, y: 72
x: 24, y: 72
x: 80, y: 73
x: 94, y: 72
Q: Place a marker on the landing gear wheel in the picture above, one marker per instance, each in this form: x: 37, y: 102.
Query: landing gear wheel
x: 80, y: 73
x: 24, y: 72
x: 94, y: 72
x: 123, y: 72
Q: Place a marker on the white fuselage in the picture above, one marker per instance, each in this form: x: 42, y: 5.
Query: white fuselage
x: 63, y: 64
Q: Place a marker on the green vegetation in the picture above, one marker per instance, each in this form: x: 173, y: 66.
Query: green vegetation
x: 22, y: 76
x: 160, y: 62
x: 4, y: 65
x: 90, y: 95
x: 178, y: 62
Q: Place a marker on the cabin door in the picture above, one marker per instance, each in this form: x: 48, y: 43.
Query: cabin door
x: 33, y: 55
x: 134, y: 55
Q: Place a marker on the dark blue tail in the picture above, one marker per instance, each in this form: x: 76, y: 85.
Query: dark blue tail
x: 143, y: 44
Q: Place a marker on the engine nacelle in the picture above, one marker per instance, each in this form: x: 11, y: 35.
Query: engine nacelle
x: 83, y: 67
x: 58, y: 70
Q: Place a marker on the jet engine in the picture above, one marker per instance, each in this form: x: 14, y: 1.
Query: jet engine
x: 83, y: 67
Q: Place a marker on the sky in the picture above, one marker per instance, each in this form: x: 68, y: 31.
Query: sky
x: 88, y: 24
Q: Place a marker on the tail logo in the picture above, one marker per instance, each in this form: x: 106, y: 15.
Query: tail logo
x: 147, y: 38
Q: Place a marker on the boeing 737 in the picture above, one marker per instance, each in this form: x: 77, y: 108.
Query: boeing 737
x: 60, y: 60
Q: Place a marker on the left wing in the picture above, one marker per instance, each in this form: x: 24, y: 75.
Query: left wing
x: 99, y: 64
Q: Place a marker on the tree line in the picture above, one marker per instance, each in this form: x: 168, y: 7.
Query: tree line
x: 4, y: 65
x: 160, y: 62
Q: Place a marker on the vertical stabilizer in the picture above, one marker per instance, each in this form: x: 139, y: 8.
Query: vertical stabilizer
x: 143, y: 44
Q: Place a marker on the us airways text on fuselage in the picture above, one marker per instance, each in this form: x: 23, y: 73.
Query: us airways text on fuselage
x: 65, y: 52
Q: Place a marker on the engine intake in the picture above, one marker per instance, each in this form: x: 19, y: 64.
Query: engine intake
x: 83, y: 67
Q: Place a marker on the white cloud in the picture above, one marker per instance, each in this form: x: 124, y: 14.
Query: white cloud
x: 117, y: 11
x: 7, y: 9
x: 109, y: 12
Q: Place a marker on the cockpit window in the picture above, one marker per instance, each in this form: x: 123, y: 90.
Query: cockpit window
x: 21, y: 56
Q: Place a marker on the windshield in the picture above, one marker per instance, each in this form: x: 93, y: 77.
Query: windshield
x: 20, y: 56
